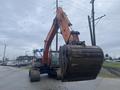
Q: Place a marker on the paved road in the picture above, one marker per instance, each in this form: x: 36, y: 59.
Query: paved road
x: 17, y: 79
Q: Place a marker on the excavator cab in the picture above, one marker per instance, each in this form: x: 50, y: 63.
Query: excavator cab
x: 54, y: 56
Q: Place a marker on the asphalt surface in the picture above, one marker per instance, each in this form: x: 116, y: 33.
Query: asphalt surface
x: 17, y: 79
x: 115, y: 71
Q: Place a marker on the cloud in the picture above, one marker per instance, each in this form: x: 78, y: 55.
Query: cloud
x: 24, y: 24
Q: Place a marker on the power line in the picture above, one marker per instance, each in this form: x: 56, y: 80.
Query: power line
x: 99, y: 18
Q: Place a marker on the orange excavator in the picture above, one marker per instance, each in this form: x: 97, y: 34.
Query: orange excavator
x: 74, y: 61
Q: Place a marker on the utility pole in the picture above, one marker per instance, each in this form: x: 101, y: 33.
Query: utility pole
x: 57, y: 41
x: 90, y: 27
x: 4, y: 52
x: 57, y: 4
x: 93, y: 22
x: 57, y: 30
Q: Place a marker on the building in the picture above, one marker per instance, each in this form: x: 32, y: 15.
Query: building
x: 24, y: 60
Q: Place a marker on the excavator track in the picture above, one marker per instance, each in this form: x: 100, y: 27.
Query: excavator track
x: 79, y: 62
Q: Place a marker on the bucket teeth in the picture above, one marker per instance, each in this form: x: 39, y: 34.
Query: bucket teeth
x: 80, y: 63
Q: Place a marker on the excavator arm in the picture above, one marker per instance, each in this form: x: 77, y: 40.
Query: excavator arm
x: 61, y: 21
x: 48, y: 42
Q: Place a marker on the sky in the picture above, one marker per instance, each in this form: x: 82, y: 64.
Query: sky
x: 24, y: 24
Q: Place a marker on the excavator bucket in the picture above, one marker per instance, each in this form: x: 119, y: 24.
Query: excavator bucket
x: 79, y: 63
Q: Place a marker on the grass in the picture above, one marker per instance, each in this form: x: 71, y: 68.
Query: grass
x: 111, y: 64
x: 106, y: 74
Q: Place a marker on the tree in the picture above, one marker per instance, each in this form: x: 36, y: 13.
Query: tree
x: 110, y: 58
x: 106, y: 55
x: 119, y: 58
